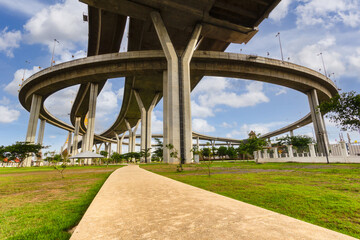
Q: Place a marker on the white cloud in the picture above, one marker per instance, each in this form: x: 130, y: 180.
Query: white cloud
x: 8, y: 115
x: 281, y: 91
x: 20, y: 74
x: 200, y: 111
x: 9, y: 40
x: 327, y: 13
x: 5, y: 101
x: 62, y: 21
x: 28, y: 7
x: 107, y: 101
x: 59, y: 104
x: 120, y: 93
x: 261, y: 128
x: 156, y: 124
x: 201, y: 125
x: 252, y: 97
x: 280, y: 11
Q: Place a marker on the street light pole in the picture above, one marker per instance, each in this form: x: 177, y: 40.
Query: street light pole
x: 322, y: 59
x: 282, y: 56
x: 52, y: 57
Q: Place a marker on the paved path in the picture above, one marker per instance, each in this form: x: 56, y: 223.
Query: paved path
x: 137, y: 204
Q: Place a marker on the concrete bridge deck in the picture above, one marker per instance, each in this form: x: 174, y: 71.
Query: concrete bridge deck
x: 137, y: 204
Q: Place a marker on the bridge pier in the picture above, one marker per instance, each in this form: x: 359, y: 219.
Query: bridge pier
x: 146, y: 124
x: 119, y: 142
x: 132, y: 135
x: 76, y: 137
x: 32, y: 125
x: 89, y: 136
x: 177, y: 105
x: 318, y: 122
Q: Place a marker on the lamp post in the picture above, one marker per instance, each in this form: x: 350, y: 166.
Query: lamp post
x: 282, y: 56
x: 52, y: 57
x: 322, y: 59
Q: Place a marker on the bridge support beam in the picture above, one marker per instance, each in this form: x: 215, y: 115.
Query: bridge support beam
x: 119, y: 142
x: 177, y: 107
x: 89, y: 136
x: 40, y: 139
x: 318, y: 122
x: 132, y: 135
x: 69, y: 143
x: 76, y: 136
x: 146, y: 125
x: 32, y: 125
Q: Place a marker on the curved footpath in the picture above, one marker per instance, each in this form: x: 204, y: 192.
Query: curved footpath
x: 137, y: 204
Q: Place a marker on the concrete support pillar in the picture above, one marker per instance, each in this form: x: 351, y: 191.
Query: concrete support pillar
x: 276, y: 155
x: 69, y: 141
x: 312, y: 150
x: 259, y: 154
x: 291, y: 133
x: 120, y: 144
x: 89, y: 137
x: 197, y: 143
x: 132, y: 135
x: 290, y: 151
x: 177, y: 110
x: 166, y: 152
x: 343, y: 149
x: 40, y: 139
x: 76, y: 136
x: 32, y: 125
x: 146, y: 124
x: 319, y: 125
x: 109, y: 150
x: 98, y: 148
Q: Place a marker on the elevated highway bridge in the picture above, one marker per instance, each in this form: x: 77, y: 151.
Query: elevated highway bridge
x: 172, y: 45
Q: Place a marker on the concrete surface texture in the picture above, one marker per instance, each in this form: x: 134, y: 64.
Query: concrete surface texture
x: 137, y: 204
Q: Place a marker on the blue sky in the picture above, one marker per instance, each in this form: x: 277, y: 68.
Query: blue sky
x: 307, y: 27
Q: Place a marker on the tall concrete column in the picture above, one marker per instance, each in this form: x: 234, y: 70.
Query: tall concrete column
x: 132, y: 135
x: 69, y: 143
x: 146, y: 123
x: 166, y: 152
x: 177, y: 108
x: 290, y: 151
x: 120, y: 144
x: 319, y: 125
x: 89, y: 139
x: 76, y: 136
x: 291, y: 133
x: 32, y: 125
x: 197, y: 144
x: 40, y: 139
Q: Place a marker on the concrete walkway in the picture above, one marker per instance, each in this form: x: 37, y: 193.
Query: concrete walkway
x: 137, y: 204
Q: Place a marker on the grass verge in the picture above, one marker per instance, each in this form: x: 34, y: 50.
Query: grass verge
x: 36, y: 203
x: 322, y: 194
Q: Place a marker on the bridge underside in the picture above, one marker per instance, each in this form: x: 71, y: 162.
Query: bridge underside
x: 162, y: 38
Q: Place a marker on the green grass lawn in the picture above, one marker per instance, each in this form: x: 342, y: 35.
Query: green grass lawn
x: 36, y: 203
x: 325, y: 195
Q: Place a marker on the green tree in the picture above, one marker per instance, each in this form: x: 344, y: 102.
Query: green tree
x: 117, y: 157
x: 104, y: 153
x: 21, y: 150
x: 253, y: 143
x: 222, y: 150
x: 231, y: 152
x: 299, y: 142
x: 344, y: 110
x: 175, y: 154
x: 158, y: 153
x: 206, y: 152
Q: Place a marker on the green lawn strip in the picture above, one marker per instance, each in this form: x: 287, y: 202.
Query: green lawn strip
x: 41, y: 205
x: 325, y: 195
